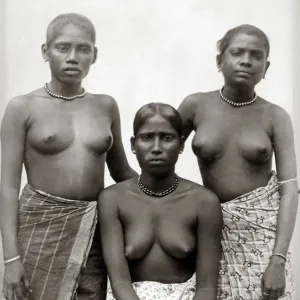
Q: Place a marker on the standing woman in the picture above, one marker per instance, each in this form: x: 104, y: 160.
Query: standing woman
x: 236, y: 134
x: 64, y: 136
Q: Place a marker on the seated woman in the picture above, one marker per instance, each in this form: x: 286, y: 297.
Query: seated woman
x: 160, y: 233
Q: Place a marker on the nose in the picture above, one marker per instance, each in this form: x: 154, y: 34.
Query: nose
x: 246, y: 60
x: 72, y: 57
x: 156, y: 148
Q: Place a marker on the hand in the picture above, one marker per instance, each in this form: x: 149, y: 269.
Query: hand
x: 273, y: 281
x: 15, y: 283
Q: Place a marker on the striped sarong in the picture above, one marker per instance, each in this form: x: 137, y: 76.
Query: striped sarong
x: 248, y: 238
x: 152, y: 290
x: 55, y: 236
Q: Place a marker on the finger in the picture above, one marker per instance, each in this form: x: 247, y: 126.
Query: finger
x: 10, y: 293
x: 5, y: 290
x: 282, y: 291
x: 273, y: 295
x: 27, y: 284
x: 20, y: 292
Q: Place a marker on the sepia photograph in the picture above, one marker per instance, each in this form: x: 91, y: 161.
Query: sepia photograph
x: 150, y: 150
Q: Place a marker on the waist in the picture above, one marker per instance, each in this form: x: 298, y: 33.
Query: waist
x: 233, y: 186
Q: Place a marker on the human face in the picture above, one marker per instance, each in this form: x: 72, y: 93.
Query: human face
x: 157, y: 146
x: 70, y: 54
x: 244, y: 61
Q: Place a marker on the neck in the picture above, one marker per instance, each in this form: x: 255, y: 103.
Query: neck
x: 65, y: 89
x: 158, y: 183
x: 238, y: 94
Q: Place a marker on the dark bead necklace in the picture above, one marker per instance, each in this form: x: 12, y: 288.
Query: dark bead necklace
x: 161, y: 194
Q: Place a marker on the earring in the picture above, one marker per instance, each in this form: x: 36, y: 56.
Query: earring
x: 46, y: 59
x: 180, y: 152
x: 219, y: 69
x: 133, y: 151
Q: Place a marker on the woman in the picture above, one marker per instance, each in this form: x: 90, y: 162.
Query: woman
x: 63, y: 135
x: 164, y: 228
x: 236, y: 133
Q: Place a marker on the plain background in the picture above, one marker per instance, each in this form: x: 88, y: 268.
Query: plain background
x: 154, y: 51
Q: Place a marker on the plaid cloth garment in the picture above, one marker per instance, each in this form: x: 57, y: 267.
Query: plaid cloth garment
x: 55, y: 237
x: 248, y: 238
x: 152, y: 290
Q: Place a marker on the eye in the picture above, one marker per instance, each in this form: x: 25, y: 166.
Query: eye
x: 84, y: 50
x: 168, y: 138
x: 62, y: 48
x: 145, y: 137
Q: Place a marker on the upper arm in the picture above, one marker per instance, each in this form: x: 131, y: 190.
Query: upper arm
x: 112, y: 239
x: 210, y: 223
x: 116, y: 158
x: 187, y: 110
x: 284, y: 148
x: 13, y: 136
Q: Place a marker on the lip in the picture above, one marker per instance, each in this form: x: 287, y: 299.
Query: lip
x: 71, y: 70
x: 156, y: 161
x: 245, y: 73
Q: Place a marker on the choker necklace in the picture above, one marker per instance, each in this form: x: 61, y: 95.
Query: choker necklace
x: 166, y: 192
x: 63, y: 97
x: 237, y: 103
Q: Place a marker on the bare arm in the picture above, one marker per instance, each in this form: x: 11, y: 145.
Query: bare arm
x: 13, y: 135
x: 210, y: 223
x: 187, y: 110
x: 116, y: 159
x: 113, y: 246
x: 283, y: 143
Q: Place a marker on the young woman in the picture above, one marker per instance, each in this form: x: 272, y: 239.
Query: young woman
x: 64, y: 136
x: 236, y: 134
x: 160, y: 233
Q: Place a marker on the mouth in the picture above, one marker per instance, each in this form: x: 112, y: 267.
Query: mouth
x: 71, y: 71
x: 244, y: 73
x: 156, y: 161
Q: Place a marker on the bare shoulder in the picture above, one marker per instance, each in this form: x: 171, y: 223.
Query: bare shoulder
x: 200, y: 195
x: 195, y: 99
x: 18, y: 106
x: 112, y: 194
x: 279, y: 114
x: 104, y: 100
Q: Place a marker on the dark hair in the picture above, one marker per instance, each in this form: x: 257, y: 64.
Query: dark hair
x: 223, y: 43
x: 150, y: 110
x: 79, y: 21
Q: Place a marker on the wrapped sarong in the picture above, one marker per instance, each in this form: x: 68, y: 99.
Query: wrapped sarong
x: 152, y: 290
x: 55, y: 237
x: 248, y: 238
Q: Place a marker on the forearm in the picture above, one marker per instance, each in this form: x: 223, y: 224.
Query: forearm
x: 8, y: 224
x: 285, y: 223
x: 122, y: 175
x: 206, y: 294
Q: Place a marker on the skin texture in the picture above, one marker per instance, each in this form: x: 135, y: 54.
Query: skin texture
x: 164, y: 239
x: 63, y: 144
x: 235, y: 145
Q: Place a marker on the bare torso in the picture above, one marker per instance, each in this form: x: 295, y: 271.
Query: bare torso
x: 233, y: 144
x: 160, y: 233
x: 66, y: 144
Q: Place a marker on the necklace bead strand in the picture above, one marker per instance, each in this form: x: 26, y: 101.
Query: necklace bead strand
x: 161, y: 194
x: 237, y: 103
x: 63, y: 97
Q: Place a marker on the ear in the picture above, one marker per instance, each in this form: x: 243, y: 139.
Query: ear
x: 267, y: 67
x: 219, y: 61
x: 45, y: 55
x: 95, y: 54
x: 132, y: 141
x: 182, y: 140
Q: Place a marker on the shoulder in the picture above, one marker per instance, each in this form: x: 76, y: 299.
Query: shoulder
x: 104, y: 99
x: 279, y: 114
x: 112, y: 194
x: 201, y: 195
x: 18, y: 107
x: 195, y: 98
